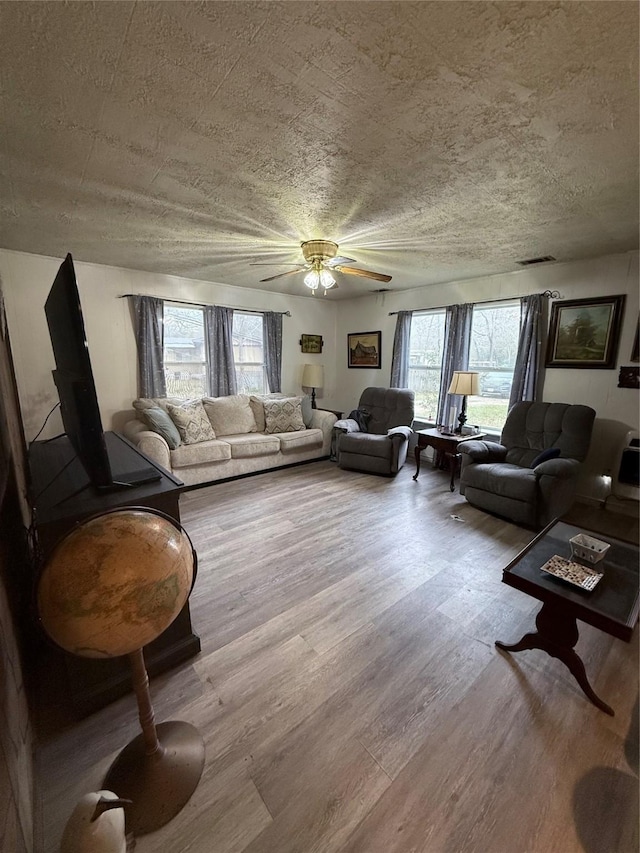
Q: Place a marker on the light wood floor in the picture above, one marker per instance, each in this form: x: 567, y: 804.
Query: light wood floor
x: 349, y: 692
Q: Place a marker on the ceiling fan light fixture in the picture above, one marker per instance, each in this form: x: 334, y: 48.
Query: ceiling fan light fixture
x: 319, y: 276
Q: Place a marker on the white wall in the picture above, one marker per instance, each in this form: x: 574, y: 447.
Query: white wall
x: 616, y: 408
x: 28, y: 278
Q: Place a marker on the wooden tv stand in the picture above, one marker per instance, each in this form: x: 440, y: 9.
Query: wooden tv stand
x: 63, y: 496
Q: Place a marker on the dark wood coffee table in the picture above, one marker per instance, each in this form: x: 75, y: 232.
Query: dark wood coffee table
x: 442, y: 443
x: 612, y: 606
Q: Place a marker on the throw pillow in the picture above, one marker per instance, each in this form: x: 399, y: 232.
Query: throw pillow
x: 192, y: 422
x: 550, y: 453
x: 230, y: 415
x: 284, y: 415
x: 256, y: 401
x: 159, y: 421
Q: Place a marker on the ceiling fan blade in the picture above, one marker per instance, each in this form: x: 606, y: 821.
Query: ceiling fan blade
x: 280, y: 274
x: 364, y: 273
x: 335, y: 261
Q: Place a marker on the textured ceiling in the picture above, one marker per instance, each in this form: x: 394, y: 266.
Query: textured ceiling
x: 433, y: 140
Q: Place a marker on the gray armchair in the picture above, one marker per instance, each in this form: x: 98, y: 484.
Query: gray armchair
x: 530, y: 477
x: 382, y: 449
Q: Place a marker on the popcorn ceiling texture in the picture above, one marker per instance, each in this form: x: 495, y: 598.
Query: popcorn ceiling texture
x: 433, y: 141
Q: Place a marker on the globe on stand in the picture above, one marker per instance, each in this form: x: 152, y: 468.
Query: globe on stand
x: 112, y: 585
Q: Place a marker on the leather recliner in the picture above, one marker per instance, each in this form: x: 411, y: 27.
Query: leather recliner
x: 382, y: 449
x: 530, y: 476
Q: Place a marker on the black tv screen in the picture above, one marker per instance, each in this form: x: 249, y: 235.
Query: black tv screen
x: 76, y: 389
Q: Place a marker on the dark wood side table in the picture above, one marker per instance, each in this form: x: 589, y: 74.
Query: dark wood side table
x: 611, y: 607
x: 445, y: 444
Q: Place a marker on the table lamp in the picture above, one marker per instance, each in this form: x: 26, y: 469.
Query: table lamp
x: 313, y: 377
x: 464, y: 383
x: 111, y: 585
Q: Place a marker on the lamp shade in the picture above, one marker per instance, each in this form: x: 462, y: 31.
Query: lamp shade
x: 464, y: 382
x: 313, y: 376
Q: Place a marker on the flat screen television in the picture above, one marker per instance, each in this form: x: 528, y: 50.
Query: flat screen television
x: 73, y: 377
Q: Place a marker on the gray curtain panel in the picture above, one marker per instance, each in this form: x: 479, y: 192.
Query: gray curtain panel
x: 147, y: 312
x: 455, y: 356
x: 400, y: 357
x: 525, y: 374
x: 218, y: 338
x: 272, y: 339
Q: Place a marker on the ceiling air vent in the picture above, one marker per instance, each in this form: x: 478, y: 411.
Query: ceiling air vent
x: 531, y: 261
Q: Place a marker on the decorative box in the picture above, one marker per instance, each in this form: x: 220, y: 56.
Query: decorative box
x: 587, y: 548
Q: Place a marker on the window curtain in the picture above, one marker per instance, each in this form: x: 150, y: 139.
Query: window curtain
x: 455, y: 356
x: 147, y: 312
x: 400, y: 357
x: 272, y: 341
x: 525, y: 374
x: 218, y: 337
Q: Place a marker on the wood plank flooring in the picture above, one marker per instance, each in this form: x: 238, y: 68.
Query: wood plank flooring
x: 349, y: 693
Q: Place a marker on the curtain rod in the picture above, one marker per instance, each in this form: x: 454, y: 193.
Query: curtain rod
x: 204, y: 304
x: 550, y: 294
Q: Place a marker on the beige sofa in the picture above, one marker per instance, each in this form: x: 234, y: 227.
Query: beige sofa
x: 250, y: 448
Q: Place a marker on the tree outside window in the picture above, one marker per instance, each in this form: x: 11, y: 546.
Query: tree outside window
x: 425, y: 361
x: 493, y: 348
x: 184, y: 352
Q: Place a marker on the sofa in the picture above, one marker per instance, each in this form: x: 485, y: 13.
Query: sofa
x: 530, y: 476
x: 215, y: 438
x: 376, y: 439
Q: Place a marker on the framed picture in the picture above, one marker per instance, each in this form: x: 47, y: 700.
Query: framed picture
x: 311, y: 343
x: 585, y: 332
x: 363, y: 349
x: 635, y: 352
x: 629, y: 377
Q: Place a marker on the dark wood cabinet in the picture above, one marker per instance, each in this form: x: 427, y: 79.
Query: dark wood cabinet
x: 62, y: 496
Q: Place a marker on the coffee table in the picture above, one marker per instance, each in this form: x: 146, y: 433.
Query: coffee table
x: 445, y: 443
x: 612, y: 606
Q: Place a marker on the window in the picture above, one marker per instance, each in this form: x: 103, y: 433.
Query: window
x: 425, y: 361
x: 248, y: 353
x: 184, y: 353
x: 185, y: 364
x: 495, y: 331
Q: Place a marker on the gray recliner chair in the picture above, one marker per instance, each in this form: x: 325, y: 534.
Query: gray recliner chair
x: 530, y: 477
x: 387, y: 414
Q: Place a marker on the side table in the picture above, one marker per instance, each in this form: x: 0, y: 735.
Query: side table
x: 441, y: 443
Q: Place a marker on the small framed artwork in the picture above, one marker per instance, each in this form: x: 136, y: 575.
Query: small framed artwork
x: 635, y: 352
x: 629, y: 377
x: 364, y: 349
x: 585, y: 332
x: 311, y: 343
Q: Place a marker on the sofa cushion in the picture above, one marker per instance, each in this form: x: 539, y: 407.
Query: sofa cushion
x: 230, y: 415
x: 200, y: 454
x: 256, y: 401
x: 158, y: 420
x: 290, y: 441
x: 252, y: 444
x: 283, y: 415
x: 307, y: 410
x: 143, y: 403
x: 503, y: 479
x: 192, y: 422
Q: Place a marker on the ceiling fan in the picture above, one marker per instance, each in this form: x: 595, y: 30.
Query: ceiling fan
x: 321, y: 256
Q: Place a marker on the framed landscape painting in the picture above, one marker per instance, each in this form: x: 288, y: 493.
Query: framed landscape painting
x: 363, y: 349
x: 585, y: 332
x: 311, y: 343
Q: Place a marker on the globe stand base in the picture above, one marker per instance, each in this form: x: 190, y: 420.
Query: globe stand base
x: 161, y: 784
